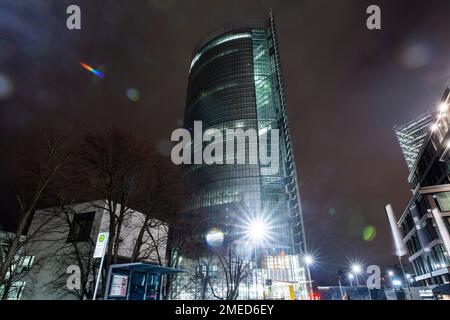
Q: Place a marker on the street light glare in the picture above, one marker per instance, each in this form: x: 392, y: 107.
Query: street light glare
x: 257, y: 230
x: 356, y: 268
x: 350, y: 275
x: 397, y: 283
x: 309, y: 260
x: 390, y: 273
x: 443, y: 107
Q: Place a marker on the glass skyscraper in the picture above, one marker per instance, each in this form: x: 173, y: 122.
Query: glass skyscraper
x: 411, y: 136
x: 235, y: 82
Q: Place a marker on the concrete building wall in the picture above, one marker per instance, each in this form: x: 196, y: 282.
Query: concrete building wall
x: 54, y: 254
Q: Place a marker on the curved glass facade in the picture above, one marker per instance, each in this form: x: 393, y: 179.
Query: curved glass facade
x: 221, y: 94
x: 235, y: 82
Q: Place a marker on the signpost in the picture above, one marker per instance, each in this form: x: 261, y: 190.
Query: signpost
x: 99, y: 252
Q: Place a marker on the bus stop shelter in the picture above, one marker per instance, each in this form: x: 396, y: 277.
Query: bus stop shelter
x: 135, y: 281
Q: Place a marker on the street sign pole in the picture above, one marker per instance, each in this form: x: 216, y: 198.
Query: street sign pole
x: 99, y: 252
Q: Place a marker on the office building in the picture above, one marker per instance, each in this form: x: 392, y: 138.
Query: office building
x: 61, y: 241
x: 236, y: 82
x: 411, y: 136
x: 425, y: 223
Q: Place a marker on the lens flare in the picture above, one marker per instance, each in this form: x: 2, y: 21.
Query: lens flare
x: 94, y: 71
x: 369, y: 233
x: 133, y: 94
x: 215, y: 237
x: 6, y: 87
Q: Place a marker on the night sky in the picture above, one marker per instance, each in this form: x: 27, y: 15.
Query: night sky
x: 346, y: 88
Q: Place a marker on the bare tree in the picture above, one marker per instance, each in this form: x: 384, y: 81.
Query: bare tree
x: 110, y: 164
x: 40, y: 164
x: 113, y: 166
x: 234, y: 262
x: 205, y: 275
x: 158, y: 202
x: 181, y: 241
x: 64, y: 253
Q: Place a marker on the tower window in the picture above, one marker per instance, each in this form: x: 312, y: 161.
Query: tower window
x: 81, y: 226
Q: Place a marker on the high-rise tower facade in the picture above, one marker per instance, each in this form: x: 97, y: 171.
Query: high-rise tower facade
x: 411, y: 136
x: 425, y: 223
x: 235, y: 82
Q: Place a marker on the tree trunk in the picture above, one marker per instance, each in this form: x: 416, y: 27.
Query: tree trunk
x: 138, y: 244
x: 117, y: 240
x: 109, y: 252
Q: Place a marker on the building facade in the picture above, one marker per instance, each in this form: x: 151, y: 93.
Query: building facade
x: 62, y: 240
x: 411, y: 136
x: 16, y: 278
x: 236, y: 83
x: 425, y: 223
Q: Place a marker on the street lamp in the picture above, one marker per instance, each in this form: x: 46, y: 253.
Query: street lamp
x: 443, y: 107
x: 356, y: 269
x: 350, y: 277
x: 397, y: 283
x: 309, y: 261
x: 391, y: 274
x: 256, y: 231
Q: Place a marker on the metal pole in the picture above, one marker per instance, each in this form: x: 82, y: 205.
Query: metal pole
x: 357, y: 282
x: 98, y: 277
x: 256, y: 276
x: 370, y: 296
x: 340, y: 289
x: 161, y: 286
x: 404, y: 276
x: 108, y: 283
x: 309, y: 278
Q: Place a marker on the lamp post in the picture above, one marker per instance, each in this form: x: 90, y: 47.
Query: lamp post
x: 257, y: 232
x: 309, y: 261
x: 356, y: 269
x: 350, y: 277
x: 391, y: 274
x: 256, y: 275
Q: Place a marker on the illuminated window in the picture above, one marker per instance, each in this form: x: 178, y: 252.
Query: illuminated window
x: 216, y: 42
x: 443, y: 199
